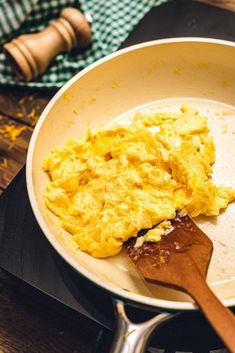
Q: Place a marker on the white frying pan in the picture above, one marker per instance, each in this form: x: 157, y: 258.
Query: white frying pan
x: 155, y: 75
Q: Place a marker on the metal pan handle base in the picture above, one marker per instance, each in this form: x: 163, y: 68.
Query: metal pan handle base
x: 131, y: 337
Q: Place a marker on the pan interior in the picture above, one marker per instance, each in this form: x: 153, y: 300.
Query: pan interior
x: 221, y: 229
x: 158, y: 76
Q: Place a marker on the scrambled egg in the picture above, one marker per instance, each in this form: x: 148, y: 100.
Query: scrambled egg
x: 118, y: 180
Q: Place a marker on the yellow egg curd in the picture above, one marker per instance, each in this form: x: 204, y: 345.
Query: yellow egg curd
x: 118, y: 180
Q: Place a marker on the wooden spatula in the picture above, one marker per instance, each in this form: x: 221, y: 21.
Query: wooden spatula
x: 181, y: 260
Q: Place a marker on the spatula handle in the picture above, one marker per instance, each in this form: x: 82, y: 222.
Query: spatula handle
x: 220, y: 317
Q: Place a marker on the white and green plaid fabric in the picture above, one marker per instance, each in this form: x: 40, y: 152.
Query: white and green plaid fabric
x: 112, y: 20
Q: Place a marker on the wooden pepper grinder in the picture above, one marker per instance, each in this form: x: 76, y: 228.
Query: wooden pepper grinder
x: 29, y: 55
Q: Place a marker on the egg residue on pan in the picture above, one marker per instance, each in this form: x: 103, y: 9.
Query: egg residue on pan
x: 118, y: 180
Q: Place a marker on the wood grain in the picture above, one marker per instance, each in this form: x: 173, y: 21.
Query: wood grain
x: 27, y: 327
x: 12, y: 152
x: 18, y: 109
x: 23, y: 105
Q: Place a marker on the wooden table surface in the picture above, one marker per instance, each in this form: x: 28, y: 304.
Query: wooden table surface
x: 25, y: 326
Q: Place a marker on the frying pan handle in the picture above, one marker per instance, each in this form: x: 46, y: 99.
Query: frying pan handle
x: 131, y: 337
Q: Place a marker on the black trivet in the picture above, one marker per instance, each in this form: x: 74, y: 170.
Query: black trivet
x: 25, y: 252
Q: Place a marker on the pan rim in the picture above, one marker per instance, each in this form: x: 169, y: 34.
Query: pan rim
x: 168, y: 305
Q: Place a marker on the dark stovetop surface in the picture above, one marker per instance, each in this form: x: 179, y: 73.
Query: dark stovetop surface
x: 25, y: 252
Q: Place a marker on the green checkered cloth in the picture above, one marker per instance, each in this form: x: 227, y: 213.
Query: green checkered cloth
x: 112, y: 21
